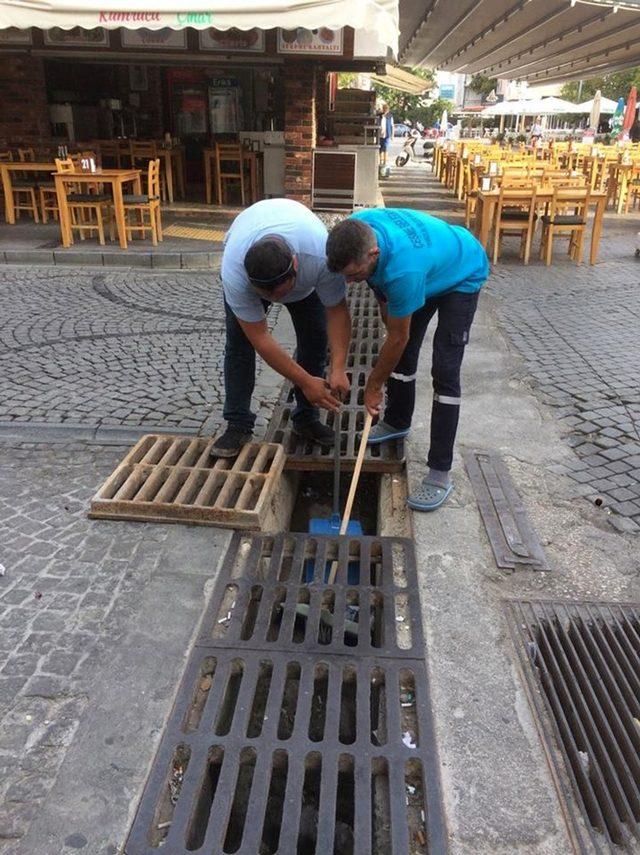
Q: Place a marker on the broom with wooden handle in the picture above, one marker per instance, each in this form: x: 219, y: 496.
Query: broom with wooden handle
x: 352, y: 490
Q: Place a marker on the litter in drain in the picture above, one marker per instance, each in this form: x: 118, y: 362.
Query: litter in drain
x: 172, y: 479
x: 272, y: 593
x: 269, y: 753
x: 302, y: 454
x: 586, y: 657
x: 512, y: 537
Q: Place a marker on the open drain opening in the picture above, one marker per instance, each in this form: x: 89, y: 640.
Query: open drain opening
x: 314, y: 500
x: 308, y: 831
x: 275, y: 804
x: 207, y: 793
x: 163, y: 815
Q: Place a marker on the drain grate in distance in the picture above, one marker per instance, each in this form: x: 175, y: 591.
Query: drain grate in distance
x: 273, y: 592
x: 512, y: 537
x: 301, y: 454
x: 271, y: 752
x: 170, y: 479
x: 586, y: 658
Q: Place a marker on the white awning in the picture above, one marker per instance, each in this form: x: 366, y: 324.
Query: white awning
x: 402, y: 80
x: 376, y: 16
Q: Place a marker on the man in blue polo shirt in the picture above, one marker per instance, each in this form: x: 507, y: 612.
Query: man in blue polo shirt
x: 417, y: 265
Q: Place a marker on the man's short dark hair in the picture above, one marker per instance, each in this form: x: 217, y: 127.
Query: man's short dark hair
x: 269, y: 263
x: 349, y: 241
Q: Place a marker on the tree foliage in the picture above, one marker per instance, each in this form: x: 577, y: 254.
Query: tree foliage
x: 612, y: 86
x: 483, y: 85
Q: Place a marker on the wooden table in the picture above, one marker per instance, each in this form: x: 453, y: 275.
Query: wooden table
x: 115, y: 177
x: 7, y: 184
x: 488, y: 199
x: 256, y: 179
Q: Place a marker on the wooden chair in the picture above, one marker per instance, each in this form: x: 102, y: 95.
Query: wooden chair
x: 472, y: 196
x: 229, y: 168
x: 516, y: 213
x: 83, y: 205
x: 559, y: 221
x: 148, y: 204
x: 25, y: 186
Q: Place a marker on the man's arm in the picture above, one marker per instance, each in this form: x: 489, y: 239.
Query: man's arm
x: 392, y: 349
x: 315, y: 389
x: 339, y: 332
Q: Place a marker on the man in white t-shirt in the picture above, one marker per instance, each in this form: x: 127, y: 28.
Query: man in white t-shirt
x: 275, y: 253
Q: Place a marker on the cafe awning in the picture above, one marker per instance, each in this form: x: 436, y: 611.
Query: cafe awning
x: 542, y: 41
x: 375, y: 16
x: 403, y: 81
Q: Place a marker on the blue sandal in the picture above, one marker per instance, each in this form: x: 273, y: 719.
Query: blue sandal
x: 428, y: 496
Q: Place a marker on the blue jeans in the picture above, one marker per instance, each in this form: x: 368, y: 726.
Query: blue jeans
x: 310, y: 325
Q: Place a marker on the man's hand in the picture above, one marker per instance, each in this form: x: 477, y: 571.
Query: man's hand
x: 316, y: 390
x: 339, y: 384
x: 373, y: 399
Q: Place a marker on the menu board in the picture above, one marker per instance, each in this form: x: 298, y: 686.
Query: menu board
x: 76, y: 37
x: 320, y: 41
x: 233, y: 40
x: 157, y: 39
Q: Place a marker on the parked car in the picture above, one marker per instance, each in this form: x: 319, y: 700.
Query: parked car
x: 401, y: 130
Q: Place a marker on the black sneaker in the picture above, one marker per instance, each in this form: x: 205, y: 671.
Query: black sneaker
x: 315, y: 432
x: 230, y: 443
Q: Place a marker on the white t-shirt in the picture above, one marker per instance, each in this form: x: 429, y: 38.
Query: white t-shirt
x: 303, y: 232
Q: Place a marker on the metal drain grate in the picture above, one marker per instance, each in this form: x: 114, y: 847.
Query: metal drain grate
x: 293, y: 754
x: 170, y: 479
x: 302, y: 454
x: 586, y: 657
x: 512, y: 537
x: 272, y: 593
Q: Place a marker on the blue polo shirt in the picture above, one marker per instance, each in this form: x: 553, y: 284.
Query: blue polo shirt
x: 422, y: 257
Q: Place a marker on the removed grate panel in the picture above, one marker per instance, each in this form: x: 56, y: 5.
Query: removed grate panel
x: 302, y: 454
x: 269, y: 753
x: 271, y: 593
x: 512, y: 537
x: 586, y: 657
x: 171, y: 479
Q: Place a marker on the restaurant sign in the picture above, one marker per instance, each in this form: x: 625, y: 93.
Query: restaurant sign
x: 316, y: 42
x: 164, y: 38
x: 76, y: 37
x: 238, y: 41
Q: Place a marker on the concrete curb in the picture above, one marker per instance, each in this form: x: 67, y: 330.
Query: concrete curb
x: 165, y: 260
x: 65, y: 431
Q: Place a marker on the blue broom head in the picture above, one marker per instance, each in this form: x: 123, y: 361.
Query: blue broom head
x: 332, y: 527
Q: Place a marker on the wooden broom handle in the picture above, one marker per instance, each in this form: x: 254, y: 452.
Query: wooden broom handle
x: 356, y: 474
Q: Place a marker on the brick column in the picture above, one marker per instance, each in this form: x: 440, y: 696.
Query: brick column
x: 299, y: 129
x: 24, y: 114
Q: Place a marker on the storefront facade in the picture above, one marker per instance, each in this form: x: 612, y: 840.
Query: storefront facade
x: 195, y: 84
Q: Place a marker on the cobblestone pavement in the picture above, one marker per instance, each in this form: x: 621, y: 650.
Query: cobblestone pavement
x: 124, y: 349
x: 576, y: 328
x: 60, y: 601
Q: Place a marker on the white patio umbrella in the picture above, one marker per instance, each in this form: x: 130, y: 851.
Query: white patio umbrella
x: 594, y: 115
x: 606, y: 106
x: 444, y: 121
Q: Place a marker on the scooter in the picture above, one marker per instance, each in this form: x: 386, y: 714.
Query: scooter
x: 408, y: 148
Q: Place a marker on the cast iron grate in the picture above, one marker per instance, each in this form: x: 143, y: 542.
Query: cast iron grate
x: 172, y: 479
x: 274, y: 746
x: 302, y: 454
x: 273, y: 593
x: 512, y: 537
x: 586, y: 658
x: 269, y: 753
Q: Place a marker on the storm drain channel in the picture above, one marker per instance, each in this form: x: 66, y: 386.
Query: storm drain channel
x: 582, y: 664
x: 303, y: 723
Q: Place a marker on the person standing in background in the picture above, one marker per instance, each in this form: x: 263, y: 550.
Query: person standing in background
x: 386, y: 133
